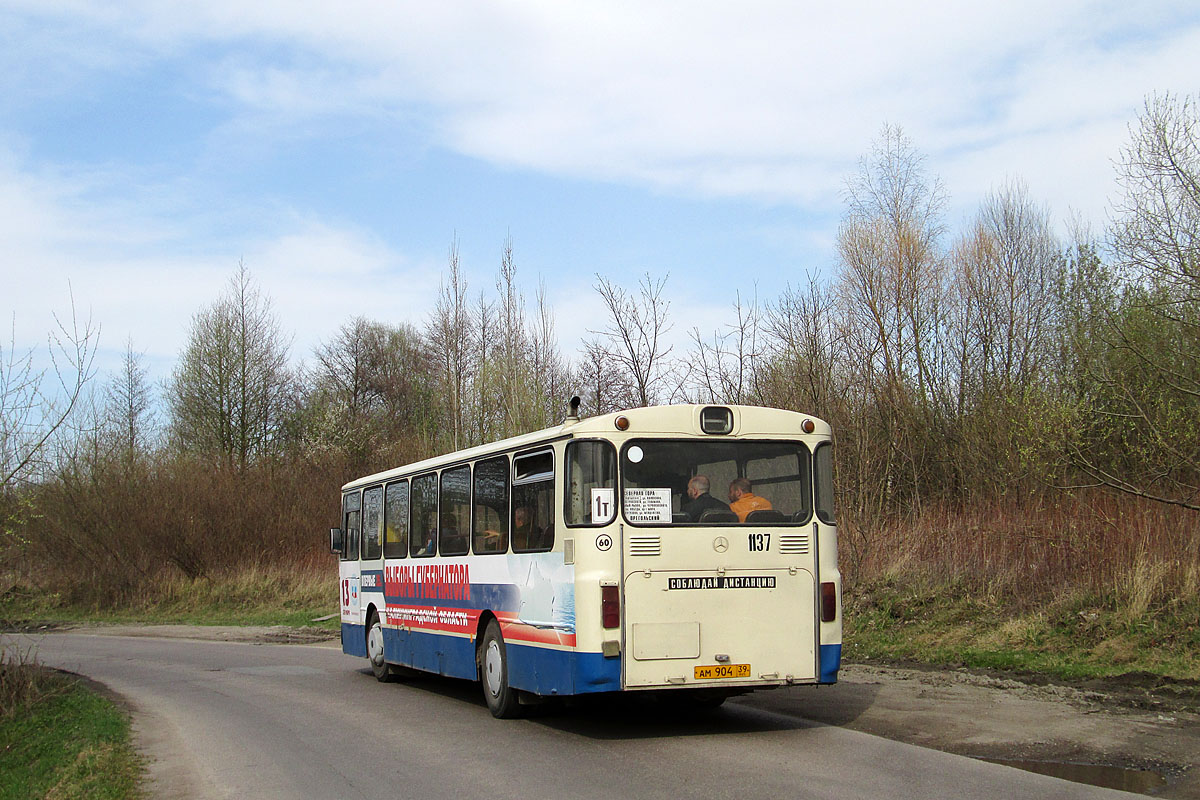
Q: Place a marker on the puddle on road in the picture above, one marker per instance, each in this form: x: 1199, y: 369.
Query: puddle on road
x: 1142, y: 781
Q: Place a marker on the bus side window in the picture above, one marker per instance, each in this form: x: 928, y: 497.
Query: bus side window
x: 533, y: 503
x: 591, y: 465
x: 455, y: 511
x: 395, y: 520
x: 372, y: 523
x: 490, y: 511
x: 351, y: 510
x: 424, y: 515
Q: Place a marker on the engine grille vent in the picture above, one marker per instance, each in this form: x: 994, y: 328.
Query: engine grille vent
x: 645, y: 546
x: 795, y: 544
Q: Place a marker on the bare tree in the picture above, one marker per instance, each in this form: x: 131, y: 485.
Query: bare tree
x: 891, y: 294
x: 1156, y: 235
x: 550, y: 372
x: 727, y: 369
x: 510, y: 354
x: 635, y: 338
x: 604, y: 387
x: 892, y: 266
x: 452, y: 340
x: 1150, y: 394
x: 129, y: 412
x: 523, y: 355
x: 1000, y: 326
x: 36, y: 403
x: 488, y: 417
x: 1006, y: 271
x: 344, y: 365
x: 228, y: 394
x: 805, y: 349
x: 371, y: 390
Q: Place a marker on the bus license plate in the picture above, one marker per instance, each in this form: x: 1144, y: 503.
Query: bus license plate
x: 722, y: 671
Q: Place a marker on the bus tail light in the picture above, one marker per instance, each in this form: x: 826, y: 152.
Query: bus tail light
x: 828, y: 602
x: 610, y: 607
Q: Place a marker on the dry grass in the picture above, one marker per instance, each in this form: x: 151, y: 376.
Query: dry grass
x: 1073, y: 585
x: 1029, y: 549
x: 23, y: 681
x: 257, y: 594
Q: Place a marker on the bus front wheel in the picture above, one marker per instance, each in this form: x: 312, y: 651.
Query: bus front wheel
x: 493, y: 673
x: 379, y: 666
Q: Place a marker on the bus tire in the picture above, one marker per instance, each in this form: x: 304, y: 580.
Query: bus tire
x: 375, y: 654
x: 501, y: 698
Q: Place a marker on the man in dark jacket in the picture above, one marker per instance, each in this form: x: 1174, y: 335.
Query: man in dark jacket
x: 700, y: 500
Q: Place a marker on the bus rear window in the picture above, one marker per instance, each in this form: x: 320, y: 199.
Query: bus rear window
x: 707, y: 482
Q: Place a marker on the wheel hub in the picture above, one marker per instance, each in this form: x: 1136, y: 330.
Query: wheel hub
x: 375, y: 645
x: 491, y: 667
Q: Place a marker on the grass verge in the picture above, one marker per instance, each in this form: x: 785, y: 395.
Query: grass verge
x: 59, y: 740
x: 250, y: 596
x: 1071, y: 636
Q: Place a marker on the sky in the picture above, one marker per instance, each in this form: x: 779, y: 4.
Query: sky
x: 338, y: 149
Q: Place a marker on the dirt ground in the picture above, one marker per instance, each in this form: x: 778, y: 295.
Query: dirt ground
x: 1122, y: 734
x: 1134, y: 733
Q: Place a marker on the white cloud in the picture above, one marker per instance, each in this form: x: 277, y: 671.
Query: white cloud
x: 773, y: 101
x: 766, y: 99
x: 143, y: 277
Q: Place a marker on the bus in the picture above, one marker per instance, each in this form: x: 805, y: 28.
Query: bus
x: 685, y: 550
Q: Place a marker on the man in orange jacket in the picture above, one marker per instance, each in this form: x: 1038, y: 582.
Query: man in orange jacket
x: 742, y: 501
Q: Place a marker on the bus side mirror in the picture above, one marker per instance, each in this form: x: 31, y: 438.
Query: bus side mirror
x: 336, y: 540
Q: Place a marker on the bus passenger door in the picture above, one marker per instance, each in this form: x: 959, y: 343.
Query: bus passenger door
x: 353, y: 641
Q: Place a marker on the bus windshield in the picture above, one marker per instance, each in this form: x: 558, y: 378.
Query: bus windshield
x: 716, y: 482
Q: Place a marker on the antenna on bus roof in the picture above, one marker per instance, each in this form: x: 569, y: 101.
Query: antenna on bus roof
x: 573, y: 413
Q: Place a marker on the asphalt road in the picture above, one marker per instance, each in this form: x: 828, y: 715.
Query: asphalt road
x: 233, y: 720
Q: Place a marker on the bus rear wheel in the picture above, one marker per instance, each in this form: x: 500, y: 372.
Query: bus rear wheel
x: 375, y: 653
x: 501, y: 698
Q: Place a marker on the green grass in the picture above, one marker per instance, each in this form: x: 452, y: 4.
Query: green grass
x: 1069, y: 636
x: 63, y: 741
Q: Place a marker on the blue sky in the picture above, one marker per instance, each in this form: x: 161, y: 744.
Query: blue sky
x: 339, y: 148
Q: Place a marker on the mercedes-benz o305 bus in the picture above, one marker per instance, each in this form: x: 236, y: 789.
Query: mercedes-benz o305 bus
x: 586, y: 558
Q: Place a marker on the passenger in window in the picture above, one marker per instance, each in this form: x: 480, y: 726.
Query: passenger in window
x: 701, y: 500
x: 527, y: 534
x: 522, y: 535
x: 742, y: 501
x: 430, y: 546
x: 453, y: 540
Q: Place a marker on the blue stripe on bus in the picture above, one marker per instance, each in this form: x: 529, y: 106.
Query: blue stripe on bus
x: 534, y: 669
x: 831, y: 659
x: 539, y: 670
x: 354, y: 639
x: 561, y: 672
